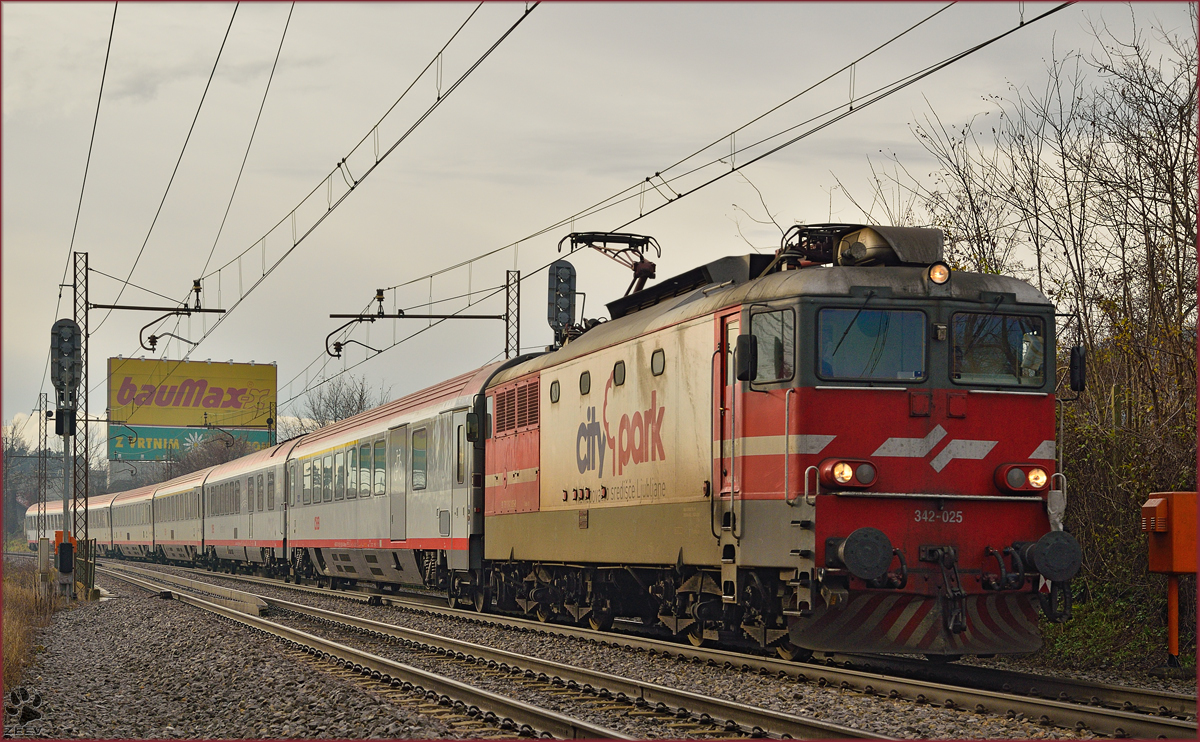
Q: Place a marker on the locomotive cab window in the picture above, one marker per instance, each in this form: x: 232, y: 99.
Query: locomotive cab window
x: 776, y: 333
x: 998, y: 349
x: 870, y: 344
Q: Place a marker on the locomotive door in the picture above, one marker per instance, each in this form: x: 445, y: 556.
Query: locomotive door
x: 397, y: 453
x: 727, y: 405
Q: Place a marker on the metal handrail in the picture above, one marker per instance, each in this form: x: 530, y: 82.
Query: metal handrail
x: 817, y: 481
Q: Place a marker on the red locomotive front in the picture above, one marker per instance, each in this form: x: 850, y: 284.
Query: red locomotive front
x: 890, y: 430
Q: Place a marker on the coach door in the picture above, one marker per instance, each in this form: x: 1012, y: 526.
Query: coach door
x: 397, y: 458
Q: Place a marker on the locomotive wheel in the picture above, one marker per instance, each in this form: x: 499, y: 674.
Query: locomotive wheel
x: 695, y: 634
x: 544, y: 613
x: 792, y: 653
x: 602, y: 621
x: 481, y: 597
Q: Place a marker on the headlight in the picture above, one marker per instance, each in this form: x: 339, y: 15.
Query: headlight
x: 843, y: 472
x: 1037, y: 478
x: 939, y: 273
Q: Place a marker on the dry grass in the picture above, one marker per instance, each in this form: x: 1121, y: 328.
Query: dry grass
x: 24, y: 613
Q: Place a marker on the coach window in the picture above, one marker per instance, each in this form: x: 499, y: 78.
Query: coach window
x: 261, y: 493
x: 619, y: 373
x: 250, y: 494
x: 237, y: 496
x: 585, y: 382
x: 351, y: 473
x: 420, y: 462
x: 270, y: 490
x: 658, y: 362
x: 554, y: 392
x: 380, y: 481
x: 327, y: 478
x: 364, y: 470
x: 339, y: 476
x: 460, y: 469
x: 306, y: 489
x: 397, y: 446
x: 776, y: 333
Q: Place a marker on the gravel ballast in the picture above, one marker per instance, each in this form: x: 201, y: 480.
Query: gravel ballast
x: 137, y: 666
x: 891, y: 717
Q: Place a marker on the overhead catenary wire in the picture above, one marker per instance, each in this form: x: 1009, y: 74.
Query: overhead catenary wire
x: 175, y: 170
x: 82, y: 188
x: 333, y: 206
x: 626, y: 193
x: 868, y: 99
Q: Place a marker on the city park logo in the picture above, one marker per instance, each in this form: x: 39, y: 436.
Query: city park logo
x: 189, y: 393
x: 638, y: 438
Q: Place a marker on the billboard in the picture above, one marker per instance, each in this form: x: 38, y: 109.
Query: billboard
x: 159, y: 408
x: 159, y: 443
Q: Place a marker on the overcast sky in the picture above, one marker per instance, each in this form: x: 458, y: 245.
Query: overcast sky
x: 580, y: 102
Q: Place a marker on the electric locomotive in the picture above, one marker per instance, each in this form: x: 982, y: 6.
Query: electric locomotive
x: 842, y: 447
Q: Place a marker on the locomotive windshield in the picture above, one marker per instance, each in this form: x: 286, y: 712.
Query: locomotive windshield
x: 1002, y: 349
x: 871, y: 344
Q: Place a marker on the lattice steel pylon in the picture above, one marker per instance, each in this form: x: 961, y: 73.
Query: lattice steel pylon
x: 512, y: 315
x: 42, y: 465
x: 79, y: 523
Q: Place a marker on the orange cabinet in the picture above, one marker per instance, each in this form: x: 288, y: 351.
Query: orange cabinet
x: 1169, y: 521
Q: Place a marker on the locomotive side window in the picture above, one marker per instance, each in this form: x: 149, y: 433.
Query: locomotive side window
x: 776, y: 333
x: 871, y: 344
x: 658, y: 362
x: 585, y: 382
x: 351, y: 473
x: 1000, y: 349
x: 619, y: 373
x: 420, y: 461
x: 554, y: 392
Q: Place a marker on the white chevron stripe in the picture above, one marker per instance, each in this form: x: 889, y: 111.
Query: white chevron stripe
x: 911, y: 448
x: 1044, y: 451
x: 961, y: 449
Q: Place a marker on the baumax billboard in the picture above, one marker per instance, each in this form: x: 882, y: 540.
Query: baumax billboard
x: 190, y: 393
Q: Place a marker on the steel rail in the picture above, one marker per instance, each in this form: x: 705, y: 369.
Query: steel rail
x: 519, y: 712
x: 1115, y: 722
x: 1063, y: 689
x: 695, y: 704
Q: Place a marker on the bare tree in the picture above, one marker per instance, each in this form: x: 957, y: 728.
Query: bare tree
x: 337, y: 399
x: 219, y: 449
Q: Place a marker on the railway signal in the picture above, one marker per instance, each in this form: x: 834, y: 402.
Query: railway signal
x: 560, y: 312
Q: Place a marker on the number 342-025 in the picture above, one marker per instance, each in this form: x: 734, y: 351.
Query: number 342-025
x: 937, y: 516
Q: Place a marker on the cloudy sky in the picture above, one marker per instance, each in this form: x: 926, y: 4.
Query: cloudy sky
x: 580, y: 102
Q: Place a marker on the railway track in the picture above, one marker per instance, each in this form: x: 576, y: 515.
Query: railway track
x: 472, y: 710
x: 1103, y: 709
